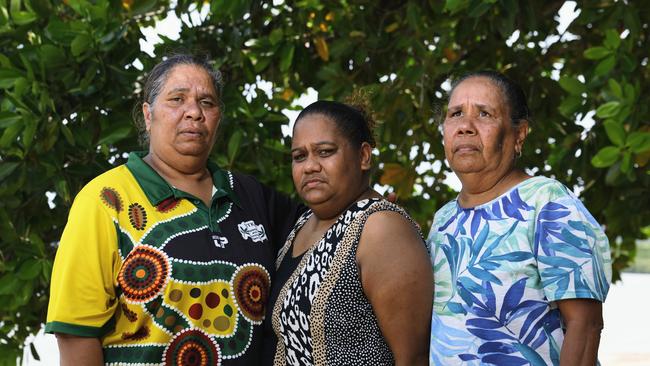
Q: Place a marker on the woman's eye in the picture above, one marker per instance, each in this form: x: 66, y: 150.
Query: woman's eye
x: 298, y: 157
x: 455, y: 114
x: 175, y: 99
x: 207, y: 103
x: 484, y: 114
x: 325, y: 152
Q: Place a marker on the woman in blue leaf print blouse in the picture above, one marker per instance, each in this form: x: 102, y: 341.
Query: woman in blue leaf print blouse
x: 521, y: 267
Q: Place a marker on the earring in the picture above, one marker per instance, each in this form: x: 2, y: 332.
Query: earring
x: 517, y: 153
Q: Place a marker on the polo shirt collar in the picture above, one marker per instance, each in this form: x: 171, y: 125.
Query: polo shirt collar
x: 157, y: 189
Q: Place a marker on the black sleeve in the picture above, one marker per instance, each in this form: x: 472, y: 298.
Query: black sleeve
x: 281, y: 211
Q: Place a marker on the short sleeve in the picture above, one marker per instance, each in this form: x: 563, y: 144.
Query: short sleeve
x: 571, y: 248
x: 82, y: 289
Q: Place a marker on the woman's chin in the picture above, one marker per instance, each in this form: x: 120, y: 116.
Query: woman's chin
x: 314, y: 200
x: 465, y: 168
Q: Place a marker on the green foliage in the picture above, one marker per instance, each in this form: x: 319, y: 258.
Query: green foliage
x: 642, y: 258
x: 68, y: 84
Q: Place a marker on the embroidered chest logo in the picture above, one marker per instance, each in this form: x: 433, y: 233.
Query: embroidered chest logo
x: 219, y: 241
x: 249, y: 230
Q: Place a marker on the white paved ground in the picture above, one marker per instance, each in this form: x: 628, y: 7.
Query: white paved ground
x: 625, y: 340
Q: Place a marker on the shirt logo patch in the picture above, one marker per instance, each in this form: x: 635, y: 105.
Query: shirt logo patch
x: 219, y: 241
x: 249, y: 230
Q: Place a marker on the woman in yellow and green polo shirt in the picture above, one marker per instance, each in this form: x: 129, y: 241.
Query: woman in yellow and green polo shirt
x: 167, y: 258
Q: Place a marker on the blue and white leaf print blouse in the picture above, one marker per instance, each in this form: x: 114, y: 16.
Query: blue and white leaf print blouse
x: 500, y: 266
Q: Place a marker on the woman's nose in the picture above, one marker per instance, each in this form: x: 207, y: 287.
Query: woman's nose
x: 466, y: 126
x: 312, y: 165
x: 193, y: 110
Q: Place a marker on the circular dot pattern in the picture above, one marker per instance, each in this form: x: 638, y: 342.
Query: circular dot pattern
x: 192, y: 347
x: 143, y: 274
x: 221, y: 323
x: 251, y: 286
x: 212, y: 300
x: 196, y: 311
x: 195, y: 292
x: 176, y: 295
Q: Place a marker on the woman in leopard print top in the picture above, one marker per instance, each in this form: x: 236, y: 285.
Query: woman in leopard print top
x: 353, y: 283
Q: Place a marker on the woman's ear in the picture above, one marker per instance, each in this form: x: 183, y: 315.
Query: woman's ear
x: 146, y: 112
x: 521, y: 132
x: 366, y: 156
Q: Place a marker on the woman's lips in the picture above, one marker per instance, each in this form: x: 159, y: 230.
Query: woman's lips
x: 312, y: 182
x: 466, y: 148
x: 192, y: 133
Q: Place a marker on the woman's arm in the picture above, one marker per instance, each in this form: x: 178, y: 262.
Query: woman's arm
x: 583, y: 319
x: 398, y: 280
x: 76, y: 350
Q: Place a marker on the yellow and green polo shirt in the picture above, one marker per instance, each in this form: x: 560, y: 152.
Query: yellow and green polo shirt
x: 160, y: 277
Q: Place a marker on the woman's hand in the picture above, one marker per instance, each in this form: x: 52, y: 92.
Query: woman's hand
x: 397, y: 278
x: 583, y: 319
x: 76, y: 350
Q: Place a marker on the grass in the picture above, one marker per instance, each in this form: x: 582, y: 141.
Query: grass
x: 642, y: 261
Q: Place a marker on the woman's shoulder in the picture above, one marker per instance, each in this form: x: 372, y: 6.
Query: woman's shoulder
x: 383, y: 207
x: 543, y: 188
x: 384, y: 216
x: 448, y: 210
x: 116, y: 180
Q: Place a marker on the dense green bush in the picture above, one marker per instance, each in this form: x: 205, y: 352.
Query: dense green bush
x: 69, y: 81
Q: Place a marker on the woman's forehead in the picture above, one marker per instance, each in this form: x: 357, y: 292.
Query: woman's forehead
x: 182, y: 77
x: 477, y: 90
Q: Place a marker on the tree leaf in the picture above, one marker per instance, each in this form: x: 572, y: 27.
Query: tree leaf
x: 233, y: 145
x: 6, y: 168
x: 286, y: 57
x: 605, y: 65
x: 69, y: 137
x: 612, y: 39
x: 142, y: 6
x: 615, y: 132
x: 596, y: 53
x: 80, y: 44
x: 615, y: 87
x: 606, y: 157
x: 31, y: 124
x: 115, y: 135
x: 276, y: 36
x: 8, y: 77
x: 626, y: 162
x: 8, y: 283
x: 10, y: 134
x: 321, y: 48
x: 33, y: 351
x: 29, y: 269
x: 61, y: 32
x: 9, y: 118
x: 609, y: 109
x: 570, y: 105
x: 454, y: 6
x: 572, y: 85
x: 613, y: 173
x: 639, y: 141
x: 23, y: 17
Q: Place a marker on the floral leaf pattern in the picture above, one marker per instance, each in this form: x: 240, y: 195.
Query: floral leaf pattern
x: 498, y: 268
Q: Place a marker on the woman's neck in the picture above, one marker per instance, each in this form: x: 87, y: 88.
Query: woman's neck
x: 185, y: 171
x: 194, y: 178
x: 328, y: 215
x: 478, y: 190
